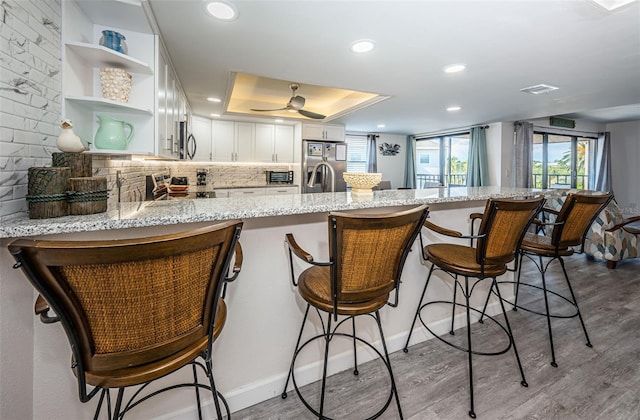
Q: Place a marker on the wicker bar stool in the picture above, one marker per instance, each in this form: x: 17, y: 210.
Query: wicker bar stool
x: 367, y: 255
x: 569, y: 228
x: 501, y: 229
x: 136, y: 310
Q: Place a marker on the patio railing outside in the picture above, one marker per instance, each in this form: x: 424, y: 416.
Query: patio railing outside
x: 428, y: 180
x: 561, y: 181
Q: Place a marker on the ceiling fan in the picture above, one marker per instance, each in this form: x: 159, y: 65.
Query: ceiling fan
x: 295, y: 104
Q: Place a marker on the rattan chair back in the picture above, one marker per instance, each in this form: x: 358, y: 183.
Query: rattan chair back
x: 126, y: 303
x: 369, y: 251
x: 576, y: 216
x: 503, y: 226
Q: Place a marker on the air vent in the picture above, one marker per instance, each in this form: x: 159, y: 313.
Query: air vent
x: 537, y: 89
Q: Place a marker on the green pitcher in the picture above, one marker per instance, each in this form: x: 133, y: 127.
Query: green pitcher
x: 110, y: 134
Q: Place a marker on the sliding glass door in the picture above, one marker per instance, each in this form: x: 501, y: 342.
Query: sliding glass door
x: 442, y: 161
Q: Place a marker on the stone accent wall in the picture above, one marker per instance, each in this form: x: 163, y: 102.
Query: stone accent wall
x: 30, y: 86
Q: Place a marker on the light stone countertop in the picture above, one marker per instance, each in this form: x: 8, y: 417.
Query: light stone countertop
x: 170, y: 212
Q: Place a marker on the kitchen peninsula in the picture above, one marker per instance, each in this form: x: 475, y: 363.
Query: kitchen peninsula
x: 252, y: 354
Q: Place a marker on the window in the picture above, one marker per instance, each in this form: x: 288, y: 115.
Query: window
x: 442, y: 160
x: 356, y: 153
x: 562, y: 161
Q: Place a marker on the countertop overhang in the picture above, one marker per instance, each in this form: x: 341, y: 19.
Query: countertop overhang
x: 170, y: 212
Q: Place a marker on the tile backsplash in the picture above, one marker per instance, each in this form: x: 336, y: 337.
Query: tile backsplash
x: 133, y: 174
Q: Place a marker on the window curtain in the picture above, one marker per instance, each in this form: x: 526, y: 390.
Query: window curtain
x: 522, y: 163
x: 372, y: 159
x: 478, y: 166
x: 410, y: 163
x: 603, y: 163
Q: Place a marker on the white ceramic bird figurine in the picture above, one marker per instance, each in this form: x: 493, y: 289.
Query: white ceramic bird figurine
x: 68, y: 141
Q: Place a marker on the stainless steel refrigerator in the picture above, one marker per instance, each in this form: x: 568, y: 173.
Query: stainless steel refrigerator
x: 329, y: 159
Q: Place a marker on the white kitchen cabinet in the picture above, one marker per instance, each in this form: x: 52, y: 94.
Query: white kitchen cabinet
x: 223, y: 140
x: 242, y: 192
x: 273, y: 143
x: 233, y: 141
x: 264, y: 143
x: 322, y: 132
x: 201, y: 128
x: 82, y: 58
x: 281, y: 190
x: 283, y: 144
x: 245, y: 141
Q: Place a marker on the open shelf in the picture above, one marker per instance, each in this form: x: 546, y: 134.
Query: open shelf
x: 99, y: 56
x: 107, y: 105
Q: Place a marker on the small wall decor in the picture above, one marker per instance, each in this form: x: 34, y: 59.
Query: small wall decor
x: 388, y: 149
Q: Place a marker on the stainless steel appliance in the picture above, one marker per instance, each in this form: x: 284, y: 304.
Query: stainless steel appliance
x: 187, y: 142
x: 279, y: 177
x: 323, y: 164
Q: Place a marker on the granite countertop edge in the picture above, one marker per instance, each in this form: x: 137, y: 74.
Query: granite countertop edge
x: 161, y: 213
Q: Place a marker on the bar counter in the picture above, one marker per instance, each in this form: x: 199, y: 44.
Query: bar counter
x: 169, y: 212
x: 252, y: 355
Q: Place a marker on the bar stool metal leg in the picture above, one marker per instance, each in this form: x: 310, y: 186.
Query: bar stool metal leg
x: 355, y: 354
x: 543, y: 269
x: 415, y: 318
x: 575, y: 302
x: 472, y: 412
x: 286, y: 384
x: 388, y: 361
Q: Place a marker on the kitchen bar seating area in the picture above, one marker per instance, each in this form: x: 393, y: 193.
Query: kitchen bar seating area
x: 252, y: 359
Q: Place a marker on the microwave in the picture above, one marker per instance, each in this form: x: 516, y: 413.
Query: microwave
x: 279, y: 177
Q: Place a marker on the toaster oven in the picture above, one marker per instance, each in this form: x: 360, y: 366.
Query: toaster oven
x: 279, y: 177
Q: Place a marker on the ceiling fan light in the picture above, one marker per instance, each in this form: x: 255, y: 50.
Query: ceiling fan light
x: 363, y: 46
x: 222, y: 10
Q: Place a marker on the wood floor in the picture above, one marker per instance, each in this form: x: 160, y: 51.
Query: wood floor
x: 602, y: 382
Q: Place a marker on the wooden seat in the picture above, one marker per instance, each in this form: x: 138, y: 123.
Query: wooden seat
x: 501, y: 230
x: 135, y: 310
x: 367, y: 255
x: 569, y: 227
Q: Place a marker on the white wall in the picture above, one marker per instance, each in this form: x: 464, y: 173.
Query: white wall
x: 625, y: 159
x: 392, y: 167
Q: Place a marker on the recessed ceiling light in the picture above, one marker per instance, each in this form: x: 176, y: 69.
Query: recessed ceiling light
x: 215, y: 115
x: 363, y: 46
x: 222, y: 10
x: 454, y: 68
x: 454, y: 108
x: 212, y: 99
x: 380, y: 125
x: 612, y: 4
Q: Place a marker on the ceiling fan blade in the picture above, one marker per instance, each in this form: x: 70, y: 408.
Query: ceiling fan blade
x: 310, y: 114
x: 268, y: 110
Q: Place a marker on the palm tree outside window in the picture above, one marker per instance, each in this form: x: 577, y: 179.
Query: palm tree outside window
x: 563, y: 161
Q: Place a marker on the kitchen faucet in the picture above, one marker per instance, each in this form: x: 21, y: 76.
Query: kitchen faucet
x: 312, y: 181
